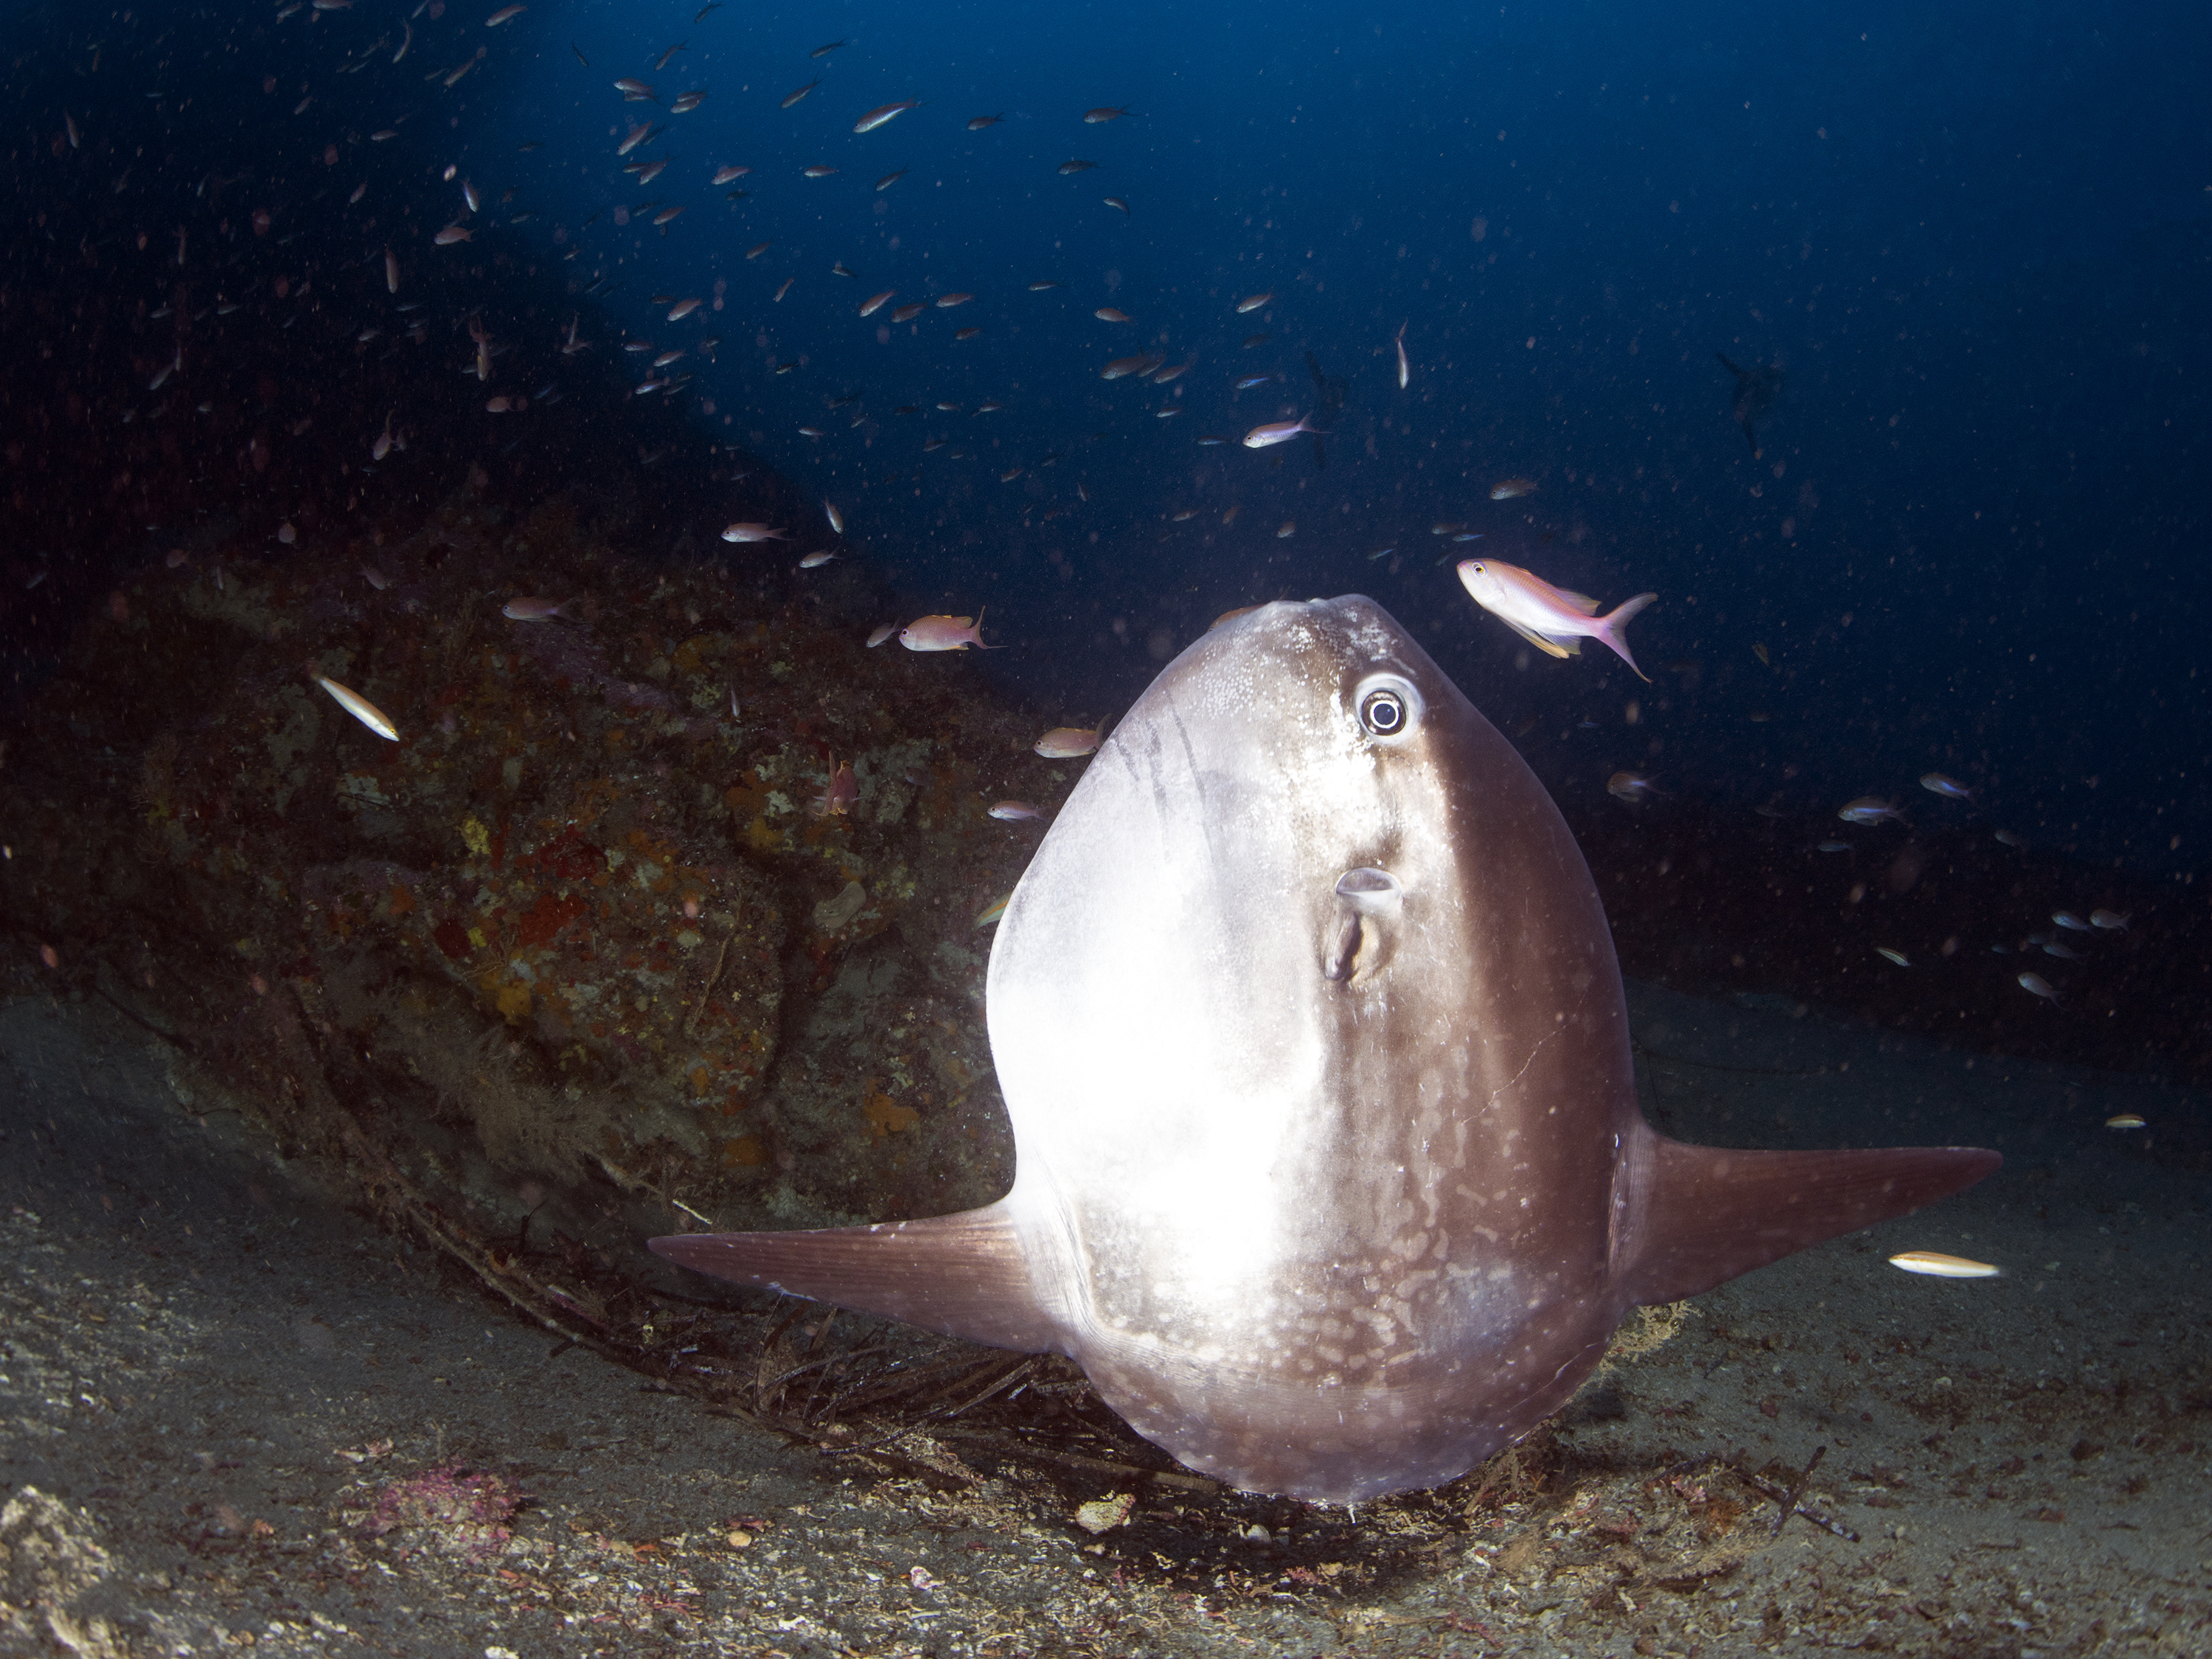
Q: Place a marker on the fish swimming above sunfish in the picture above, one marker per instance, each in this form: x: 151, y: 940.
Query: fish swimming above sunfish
x: 1552, y: 619
x: 1330, y: 1172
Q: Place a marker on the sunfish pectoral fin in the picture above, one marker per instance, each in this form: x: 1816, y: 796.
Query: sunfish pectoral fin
x: 1698, y: 1216
x: 961, y: 1275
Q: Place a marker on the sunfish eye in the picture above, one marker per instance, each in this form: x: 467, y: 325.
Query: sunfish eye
x: 1388, y: 706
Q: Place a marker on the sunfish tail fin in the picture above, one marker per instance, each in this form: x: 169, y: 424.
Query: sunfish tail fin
x: 960, y: 1275
x: 1612, y: 628
x: 1705, y: 1214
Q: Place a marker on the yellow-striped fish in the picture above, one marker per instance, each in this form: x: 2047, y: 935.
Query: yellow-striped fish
x: 359, y: 707
x: 1939, y: 1266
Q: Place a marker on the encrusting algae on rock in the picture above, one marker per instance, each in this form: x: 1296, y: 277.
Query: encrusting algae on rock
x: 573, y: 932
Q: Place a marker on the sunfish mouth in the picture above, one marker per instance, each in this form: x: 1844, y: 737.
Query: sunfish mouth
x: 1368, y: 904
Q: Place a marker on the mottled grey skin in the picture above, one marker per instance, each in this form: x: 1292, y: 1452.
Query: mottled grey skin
x: 1330, y: 1173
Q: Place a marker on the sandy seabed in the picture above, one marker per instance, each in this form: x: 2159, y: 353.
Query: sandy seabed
x: 237, y: 1416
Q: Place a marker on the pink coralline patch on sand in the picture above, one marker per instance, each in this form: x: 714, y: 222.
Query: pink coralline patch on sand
x: 463, y: 1511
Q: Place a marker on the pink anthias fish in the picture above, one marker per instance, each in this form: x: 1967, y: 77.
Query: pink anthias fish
x: 1067, y: 742
x: 836, y: 800
x: 943, y: 633
x: 1280, y: 431
x: 751, y: 532
x: 1015, y: 811
x: 1552, y: 619
x: 531, y: 609
x: 882, y: 633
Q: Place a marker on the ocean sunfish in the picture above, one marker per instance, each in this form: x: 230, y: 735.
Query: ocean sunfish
x: 1756, y: 389
x: 1329, y: 1169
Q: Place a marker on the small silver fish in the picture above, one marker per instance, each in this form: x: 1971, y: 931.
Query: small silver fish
x: 1277, y: 432
x: 1869, y: 809
x: 359, y: 707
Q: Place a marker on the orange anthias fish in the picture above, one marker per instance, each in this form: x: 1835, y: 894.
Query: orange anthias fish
x: 1552, y: 619
x: 1067, y: 742
x: 943, y: 633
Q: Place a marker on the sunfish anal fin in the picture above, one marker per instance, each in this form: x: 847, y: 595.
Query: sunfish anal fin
x: 958, y: 1275
x: 1700, y: 1215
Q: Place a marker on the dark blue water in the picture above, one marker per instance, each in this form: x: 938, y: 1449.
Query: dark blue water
x: 1972, y: 246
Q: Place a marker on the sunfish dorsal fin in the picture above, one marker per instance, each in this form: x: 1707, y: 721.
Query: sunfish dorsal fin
x: 958, y: 1275
x: 1704, y: 1214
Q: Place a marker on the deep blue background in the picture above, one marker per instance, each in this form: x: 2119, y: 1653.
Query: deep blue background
x: 1977, y: 239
